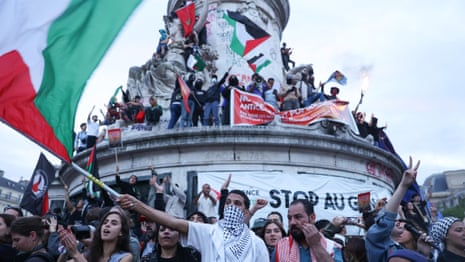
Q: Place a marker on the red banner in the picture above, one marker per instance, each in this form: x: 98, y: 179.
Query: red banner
x: 333, y: 109
x: 251, y: 109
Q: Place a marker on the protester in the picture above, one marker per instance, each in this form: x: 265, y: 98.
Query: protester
x: 206, y: 201
x: 228, y: 240
x: 275, y: 216
x: 382, y: 235
x: 110, y: 243
x: 212, y: 100
x: 7, y: 251
x: 80, y: 142
x: 449, y: 232
x: 197, y: 217
x: 93, y: 125
x: 12, y: 210
x: 305, y: 242
x: 28, y: 238
x: 272, y: 232
x: 153, y: 112
x: 285, y: 56
x: 169, y: 247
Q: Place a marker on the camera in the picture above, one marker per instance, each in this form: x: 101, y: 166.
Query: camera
x: 81, y: 231
x: 352, y: 221
x: 257, y: 78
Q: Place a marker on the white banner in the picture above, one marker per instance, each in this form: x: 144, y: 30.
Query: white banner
x: 331, y: 195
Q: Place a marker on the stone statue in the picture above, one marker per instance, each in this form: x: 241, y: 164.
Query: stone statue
x: 296, y: 74
x: 158, y: 75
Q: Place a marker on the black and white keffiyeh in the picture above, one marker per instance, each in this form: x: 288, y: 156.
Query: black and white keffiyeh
x: 440, y: 228
x: 233, y: 222
x: 236, y: 235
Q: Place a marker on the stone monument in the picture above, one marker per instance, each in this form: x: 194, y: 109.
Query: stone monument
x: 325, y: 162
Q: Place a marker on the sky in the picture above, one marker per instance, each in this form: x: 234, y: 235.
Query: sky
x: 411, y: 51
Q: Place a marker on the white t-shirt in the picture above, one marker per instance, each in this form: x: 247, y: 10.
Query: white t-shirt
x: 92, y: 128
x: 205, y: 205
x: 208, y: 239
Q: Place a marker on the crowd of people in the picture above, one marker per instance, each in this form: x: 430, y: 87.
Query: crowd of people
x: 154, y: 226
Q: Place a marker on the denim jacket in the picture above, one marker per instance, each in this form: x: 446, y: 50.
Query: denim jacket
x: 378, y: 240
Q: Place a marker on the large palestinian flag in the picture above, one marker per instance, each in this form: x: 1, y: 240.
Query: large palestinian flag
x: 247, y: 35
x: 48, y: 50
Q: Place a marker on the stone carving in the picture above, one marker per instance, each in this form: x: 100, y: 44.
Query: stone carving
x: 158, y: 75
x: 295, y: 74
x: 250, y: 9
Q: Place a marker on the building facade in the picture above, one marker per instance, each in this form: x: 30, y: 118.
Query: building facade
x: 11, y: 192
x: 448, y: 188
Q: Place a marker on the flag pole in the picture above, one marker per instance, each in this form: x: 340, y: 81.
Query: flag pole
x: 116, y: 162
x: 95, y: 180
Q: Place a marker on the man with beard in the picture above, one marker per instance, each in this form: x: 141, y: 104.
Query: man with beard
x: 305, y: 243
x: 228, y: 240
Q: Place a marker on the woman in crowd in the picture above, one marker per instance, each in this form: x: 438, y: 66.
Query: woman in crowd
x: 408, y: 238
x: 450, y: 233
x: 170, y: 249
x: 134, y: 244
x: 354, y: 250
x: 27, y: 234
x: 110, y: 243
x: 7, y: 251
x: 273, y: 231
x: 197, y: 217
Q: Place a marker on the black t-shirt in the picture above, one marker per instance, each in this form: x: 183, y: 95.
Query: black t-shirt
x: 76, y: 216
x: 177, y: 258
x: 448, y: 256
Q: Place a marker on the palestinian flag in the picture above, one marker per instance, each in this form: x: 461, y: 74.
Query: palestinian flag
x: 113, y: 98
x: 48, y: 51
x: 258, y: 62
x: 186, y: 16
x: 195, y: 62
x: 185, y: 92
x: 247, y: 35
x: 338, y: 77
x: 92, y: 168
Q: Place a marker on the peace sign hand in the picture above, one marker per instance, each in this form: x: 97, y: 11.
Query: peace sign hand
x: 410, y: 174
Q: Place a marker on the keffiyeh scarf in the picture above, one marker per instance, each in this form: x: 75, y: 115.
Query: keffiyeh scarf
x: 236, y: 236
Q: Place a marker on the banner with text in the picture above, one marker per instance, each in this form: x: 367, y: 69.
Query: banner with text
x: 251, y: 109
x: 331, y: 195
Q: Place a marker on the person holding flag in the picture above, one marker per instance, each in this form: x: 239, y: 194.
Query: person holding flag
x: 337, y: 77
x: 188, y: 105
x: 226, y: 91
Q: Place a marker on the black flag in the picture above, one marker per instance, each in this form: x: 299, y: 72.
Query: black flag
x: 35, y: 198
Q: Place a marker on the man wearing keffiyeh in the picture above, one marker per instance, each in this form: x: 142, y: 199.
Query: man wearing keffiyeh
x: 228, y: 240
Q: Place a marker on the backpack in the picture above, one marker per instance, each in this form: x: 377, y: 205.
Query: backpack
x: 140, y: 116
